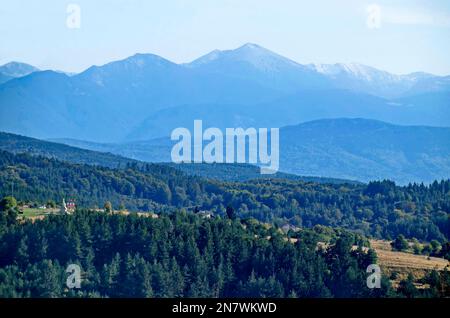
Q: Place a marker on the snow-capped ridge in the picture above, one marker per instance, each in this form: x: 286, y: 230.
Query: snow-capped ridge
x: 250, y: 53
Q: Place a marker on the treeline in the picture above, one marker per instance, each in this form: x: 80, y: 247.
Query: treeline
x: 380, y: 209
x: 182, y: 255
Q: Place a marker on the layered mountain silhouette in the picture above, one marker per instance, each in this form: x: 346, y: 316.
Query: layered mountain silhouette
x: 145, y: 96
x: 366, y: 150
x: 344, y: 148
x: 227, y: 172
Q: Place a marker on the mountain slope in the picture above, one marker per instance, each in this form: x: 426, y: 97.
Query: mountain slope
x: 38, y: 105
x: 20, y: 144
x: 428, y: 109
x: 366, y: 149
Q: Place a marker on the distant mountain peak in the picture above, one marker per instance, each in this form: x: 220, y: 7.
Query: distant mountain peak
x: 251, y: 50
x: 251, y: 46
x: 17, y: 69
x: 251, y: 53
x: 140, y: 60
x: 146, y: 56
x: 137, y: 63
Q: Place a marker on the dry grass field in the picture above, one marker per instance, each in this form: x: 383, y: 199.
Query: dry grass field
x: 405, y: 263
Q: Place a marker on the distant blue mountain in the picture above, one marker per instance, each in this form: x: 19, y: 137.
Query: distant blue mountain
x: 262, y: 66
x: 145, y: 96
x: 15, y: 69
x: 431, y: 109
x: 366, y: 150
x: 353, y: 149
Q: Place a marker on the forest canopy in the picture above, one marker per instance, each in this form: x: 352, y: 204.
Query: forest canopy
x: 380, y: 209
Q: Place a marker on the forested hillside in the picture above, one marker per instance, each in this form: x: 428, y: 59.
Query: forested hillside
x: 181, y: 255
x: 103, y: 155
x: 21, y: 144
x: 379, y: 209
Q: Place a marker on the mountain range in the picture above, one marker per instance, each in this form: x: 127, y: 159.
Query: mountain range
x: 343, y: 148
x: 328, y: 150
x: 344, y: 121
x: 358, y: 77
x: 146, y: 96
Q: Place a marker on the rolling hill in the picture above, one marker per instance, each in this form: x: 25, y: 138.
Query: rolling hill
x: 226, y: 172
x: 364, y: 150
x: 352, y: 149
x: 20, y: 144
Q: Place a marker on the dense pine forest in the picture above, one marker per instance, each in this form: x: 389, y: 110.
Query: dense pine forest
x: 185, y: 255
x: 379, y: 209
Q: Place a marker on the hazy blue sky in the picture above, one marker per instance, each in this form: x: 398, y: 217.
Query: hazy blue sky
x: 411, y: 35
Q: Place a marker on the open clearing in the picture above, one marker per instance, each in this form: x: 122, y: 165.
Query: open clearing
x: 34, y: 214
x: 399, y: 260
x: 405, y: 263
